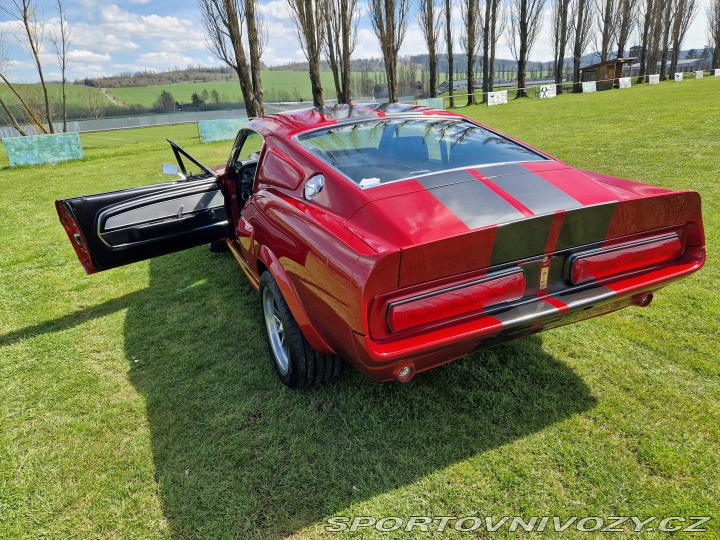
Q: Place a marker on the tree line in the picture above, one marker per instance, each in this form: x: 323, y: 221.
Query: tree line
x: 327, y: 31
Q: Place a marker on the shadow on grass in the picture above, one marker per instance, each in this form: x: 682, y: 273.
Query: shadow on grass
x: 237, y: 455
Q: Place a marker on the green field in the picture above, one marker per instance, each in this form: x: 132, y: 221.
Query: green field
x: 141, y: 402
x: 77, y: 95
x: 290, y: 81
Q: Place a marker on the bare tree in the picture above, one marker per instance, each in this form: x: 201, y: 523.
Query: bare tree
x: 582, y: 21
x: 626, y: 20
x: 306, y: 15
x: 341, y: 21
x: 525, y: 23
x: 647, y: 18
x: 61, y: 46
x: 449, y: 49
x: 95, y: 105
x: 685, y: 13
x: 26, y: 110
x: 389, y: 20
x: 607, y: 22
x: 25, y: 12
x: 492, y: 28
x: 654, y: 43
x: 429, y: 19
x: 470, y: 42
x: 498, y: 20
x: 221, y: 19
x: 669, y: 13
x: 713, y: 25
x: 561, y: 34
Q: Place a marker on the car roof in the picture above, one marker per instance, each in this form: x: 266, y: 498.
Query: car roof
x: 296, y: 121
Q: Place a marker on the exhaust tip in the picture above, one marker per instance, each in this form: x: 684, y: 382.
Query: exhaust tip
x: 644, y: 300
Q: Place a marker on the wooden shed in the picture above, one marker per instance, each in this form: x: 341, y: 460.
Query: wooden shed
x: 606, y: 74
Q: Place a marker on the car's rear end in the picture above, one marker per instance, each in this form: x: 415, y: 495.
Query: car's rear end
x: 489, y: 254
x: 480, y: 239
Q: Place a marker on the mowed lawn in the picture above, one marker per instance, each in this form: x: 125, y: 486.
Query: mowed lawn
x: 141, y: 402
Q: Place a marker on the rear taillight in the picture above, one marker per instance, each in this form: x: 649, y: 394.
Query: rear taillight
x: 454, y: 301
x: 625, y: 258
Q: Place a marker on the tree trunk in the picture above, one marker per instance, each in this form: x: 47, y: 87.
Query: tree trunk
x: 332, y: 52
x: 486, y: 51
x: 448, y: 38
x: 433, y: 68
x: 563, y: 37
x: 346, y: 53
x: 644, y: 44
x: 665, y: 42
x: 607, y: 16
x: 522, y: 50
x: 255, y: 63
x: 493, y: 43
x: 578, y: 45
x: 241, y: 67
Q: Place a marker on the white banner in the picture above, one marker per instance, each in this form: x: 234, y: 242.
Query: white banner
x: 497, y: 98
x: 547, y: 91
x: 625, y: 82
x: 699, y: 74
x: 717, y: 72
x: 654, y: 79
x: 678, y: 77
x: 589, y: 86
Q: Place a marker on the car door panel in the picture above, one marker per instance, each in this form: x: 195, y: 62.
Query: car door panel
x: 122, y: 227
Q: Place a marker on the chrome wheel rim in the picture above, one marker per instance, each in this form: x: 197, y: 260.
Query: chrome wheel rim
x: 276, y: 332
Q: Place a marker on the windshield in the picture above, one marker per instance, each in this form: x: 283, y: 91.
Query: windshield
x: 381, y: 151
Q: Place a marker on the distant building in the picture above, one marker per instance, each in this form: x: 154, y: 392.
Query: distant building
x: 606, y: 74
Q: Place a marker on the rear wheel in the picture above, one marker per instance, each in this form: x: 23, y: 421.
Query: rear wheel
x: 295, y: 361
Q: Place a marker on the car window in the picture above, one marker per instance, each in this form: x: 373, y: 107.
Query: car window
x: 386, y: 150
x: 249, y: 146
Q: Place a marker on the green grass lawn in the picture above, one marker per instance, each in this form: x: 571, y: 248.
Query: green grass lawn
x: 141, y: 402
x: 273, y: 81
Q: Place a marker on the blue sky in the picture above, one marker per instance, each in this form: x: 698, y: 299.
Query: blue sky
x: 134, y: 35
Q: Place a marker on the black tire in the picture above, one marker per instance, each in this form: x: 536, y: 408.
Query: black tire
x: 294, y: 360
x: 218, y: 246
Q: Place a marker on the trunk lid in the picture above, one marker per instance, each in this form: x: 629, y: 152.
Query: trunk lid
x: 468, y: 220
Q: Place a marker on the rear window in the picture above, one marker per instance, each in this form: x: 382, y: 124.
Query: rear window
x: 380, y: 151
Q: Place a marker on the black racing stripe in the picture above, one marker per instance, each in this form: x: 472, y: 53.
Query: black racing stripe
x: 539, y: 195
x: 445, y: 179
x: 475, y: 204
x: 588, y: 225
x: 502, y: 170
x: 521, y: 239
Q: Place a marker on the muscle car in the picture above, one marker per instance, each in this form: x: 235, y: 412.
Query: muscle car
x: 397, y: 238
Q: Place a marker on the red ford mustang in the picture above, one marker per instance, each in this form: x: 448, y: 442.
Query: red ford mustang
x: 398, y: 238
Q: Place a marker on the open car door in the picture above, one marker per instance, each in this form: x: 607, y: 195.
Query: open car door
x: 121, y: 227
